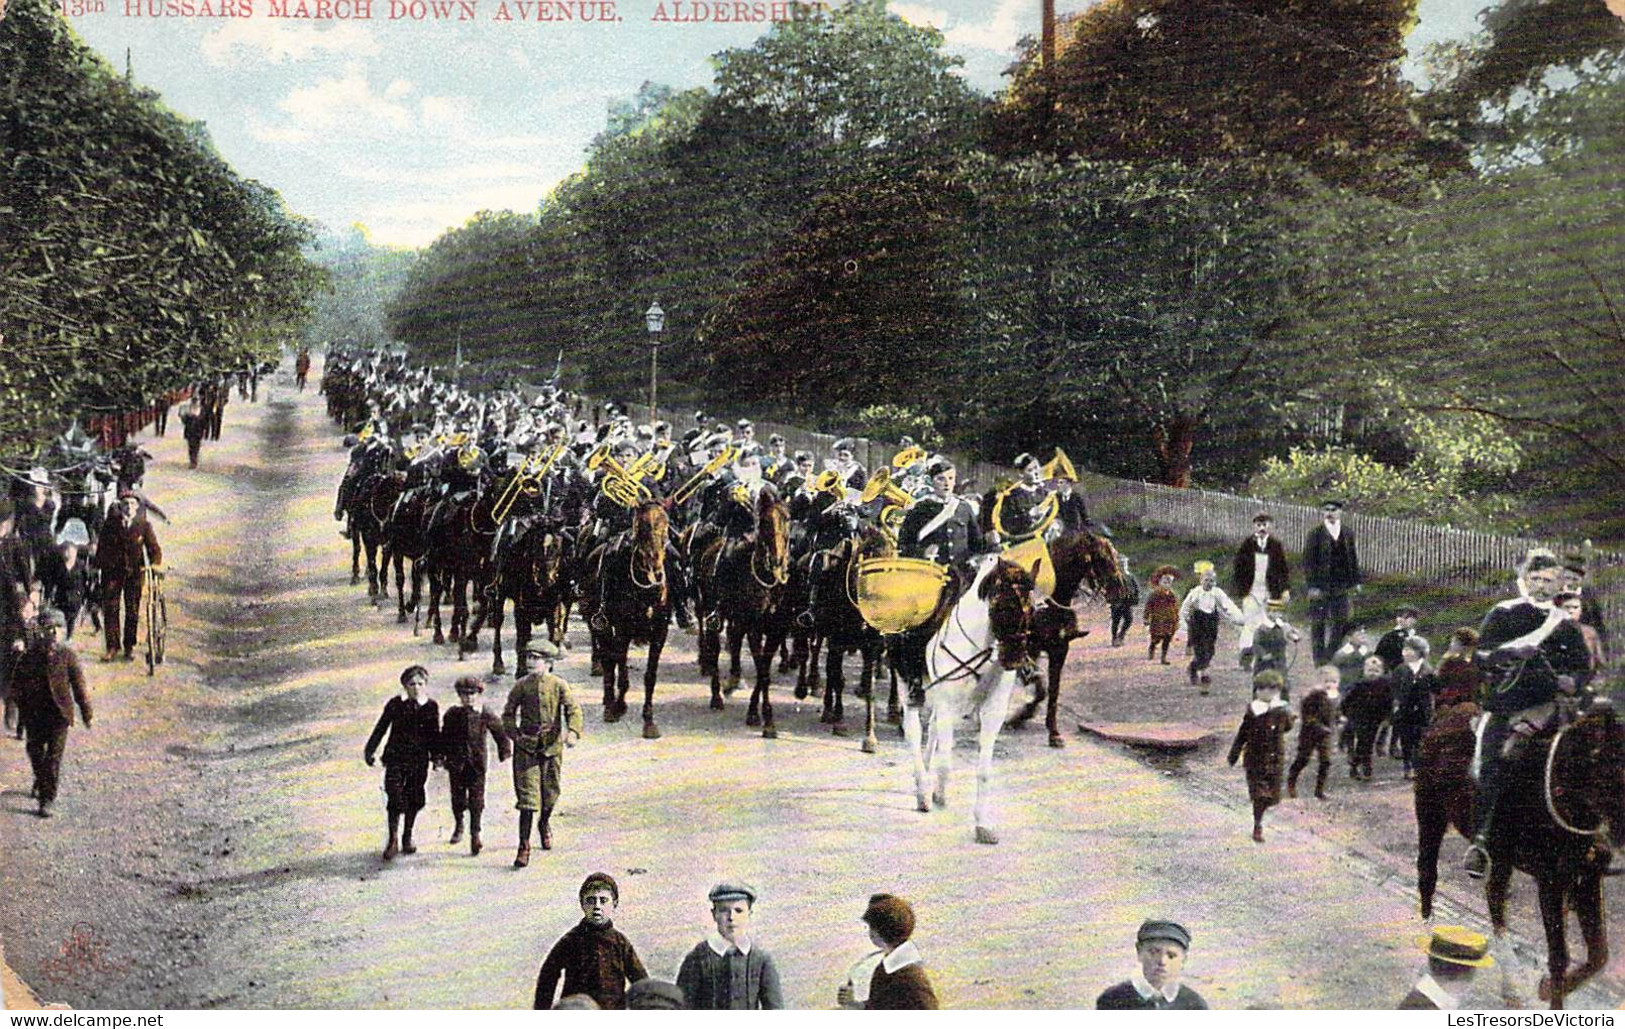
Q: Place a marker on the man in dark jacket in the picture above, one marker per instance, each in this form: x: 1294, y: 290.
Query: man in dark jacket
x: 126, y: 545
x: 1331, y: 571
x: 1532, y: 652
x: 1259, y: 574
x: 1161, y: 947
x: 48, y: 683
x: 463, y: 753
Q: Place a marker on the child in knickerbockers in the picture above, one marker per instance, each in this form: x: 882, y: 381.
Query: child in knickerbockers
x: 1262, y: 739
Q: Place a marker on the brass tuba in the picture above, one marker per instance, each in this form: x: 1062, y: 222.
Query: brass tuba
x: 897, y: 501
x: 712, y: 467
x: 618, y: 483
x: 908, y: 456
x: 828, y: 481
x: 1059, y: 467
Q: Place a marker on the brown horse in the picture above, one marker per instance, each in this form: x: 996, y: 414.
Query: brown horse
x: 459, y: 554
x: 1563, y: 799
x: 532, y: 574
x: 632, y: 602
x: 839, y: 625
x: 1081, y: 559
x: 745, y: 584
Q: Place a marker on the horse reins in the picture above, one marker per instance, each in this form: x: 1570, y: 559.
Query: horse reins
x: 1551, y: 802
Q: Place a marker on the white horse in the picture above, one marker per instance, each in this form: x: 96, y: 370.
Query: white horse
x: 971, y: 664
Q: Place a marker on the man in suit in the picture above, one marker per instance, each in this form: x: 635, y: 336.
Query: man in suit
x: 1454, y: 955
x: 48, y: 685
x: 126, y: 539
x: 1259, y: 574
x: 1331, y: 571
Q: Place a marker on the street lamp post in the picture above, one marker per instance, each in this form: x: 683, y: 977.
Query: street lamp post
x: 655, y: 320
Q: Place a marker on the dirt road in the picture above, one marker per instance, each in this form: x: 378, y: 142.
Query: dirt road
x: 218, y: 835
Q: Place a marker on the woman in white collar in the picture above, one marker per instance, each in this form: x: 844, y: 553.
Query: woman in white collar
x: 899, y: 982
x: 1262, y: 737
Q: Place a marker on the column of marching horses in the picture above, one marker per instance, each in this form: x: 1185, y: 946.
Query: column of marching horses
x: 500, y: 503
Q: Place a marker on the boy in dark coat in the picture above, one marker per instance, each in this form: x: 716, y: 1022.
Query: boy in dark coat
x: 594, y: 958
x: 1162, y: 611
x: 1366, y: 704
x: 462, y: 751
x: 1124, y: 602
x: 1414, y: 684
x: 727, y: 971
x: 1262, y: 738
x: 1161, y: 947
x: 413, y: 727
x: 1318, y: 713
x: 899, y: 982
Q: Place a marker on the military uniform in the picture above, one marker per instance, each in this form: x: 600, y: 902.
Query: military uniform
x: 944, y: 531
x: 539, y: 711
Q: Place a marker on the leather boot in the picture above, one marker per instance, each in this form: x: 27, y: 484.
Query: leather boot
x: 474, y: 845
x: 522, y: 858
x: 393, y: 847
x: 457, y: 831
x: 546, y: 831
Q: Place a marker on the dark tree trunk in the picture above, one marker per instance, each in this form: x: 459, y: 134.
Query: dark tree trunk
x: 1173, y: 440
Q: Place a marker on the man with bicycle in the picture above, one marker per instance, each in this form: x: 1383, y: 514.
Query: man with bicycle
x: 127, y: 546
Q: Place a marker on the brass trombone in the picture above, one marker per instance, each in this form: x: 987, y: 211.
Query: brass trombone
x: 712, y: 467
x: 526, y: 481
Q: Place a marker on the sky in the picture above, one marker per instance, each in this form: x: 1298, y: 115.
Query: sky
x: 408, y: 127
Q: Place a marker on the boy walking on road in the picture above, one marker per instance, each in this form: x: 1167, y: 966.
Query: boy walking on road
x: 594, y: 958
x: 462, y: 751
x: 541, y: 718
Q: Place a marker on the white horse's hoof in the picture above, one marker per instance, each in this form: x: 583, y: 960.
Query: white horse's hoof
x: 986, y: 835
x: 869, y: 744
x: 922, y: 805
x: 940, y: 798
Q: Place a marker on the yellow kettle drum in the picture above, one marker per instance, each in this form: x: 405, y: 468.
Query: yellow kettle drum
x: 894, y: 594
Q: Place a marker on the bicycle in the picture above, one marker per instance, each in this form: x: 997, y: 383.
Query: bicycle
x: 157, y: 617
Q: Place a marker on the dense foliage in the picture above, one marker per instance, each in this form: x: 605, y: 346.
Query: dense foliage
x: 1293, y: 271
x: 136, y: 261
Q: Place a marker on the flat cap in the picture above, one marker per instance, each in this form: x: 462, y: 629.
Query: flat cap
x: 1156, y: 929
x: 845, y: 443
x: 654, y: 995
x: 468, y: 684
x: 1331, y: 505
x: 731, y: 891
x: 543, y: 648
x: 1262, y: 518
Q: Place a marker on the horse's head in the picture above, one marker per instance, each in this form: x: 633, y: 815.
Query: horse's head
x: 773, y: 535
x: 1008, y: 590
x: 650, y: 525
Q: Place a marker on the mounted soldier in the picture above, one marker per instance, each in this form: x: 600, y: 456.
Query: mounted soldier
x: 853, y: 475
x: 943, y: 527
x: 1536, y: 657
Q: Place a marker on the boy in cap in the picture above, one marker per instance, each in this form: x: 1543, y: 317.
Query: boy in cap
x: 462, y: 750
x: 1161, y: 947
x: 1454, y: 955
x: 1262, y: 738
x: 1270, y: 639
x: 1199, y: 615
x: 726, y: 971
x: 412, y: 723
x: 1317, y: 714
x: 594, y: 958
x: 1162, y: 611
x: 1391, y: 644
x: 899, y: 982
x: 541, y: 717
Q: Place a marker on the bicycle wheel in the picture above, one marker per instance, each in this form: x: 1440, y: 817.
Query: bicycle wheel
x: 162, y: 624
x: 150, y: 605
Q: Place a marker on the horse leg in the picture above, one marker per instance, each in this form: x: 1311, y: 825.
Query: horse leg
x: 1495, y: 900
x: 605, y: 650
x: 834, y: 687
x: 657, y: 643
x: 761, y: 652
x: 784, y: 656
x: 497, y: 602
x: 814, y: 645
x: 1054, y: 664
x: 1432, y: 822
x: 736, y: 638
x: 355, y: 557
x: 894, y: 709
x: 399, y: 561
x: 521, y: 641
x: 1586, y: 897
x: 990, y: 720
x: 753, y: 712
x: 623, y: 674
x: 798, y: 660
x: 1553, y: 915
x: 370, y: 544
x: 916, y: 753
x: 437, y: 587
x: 943, y: 719
x: 870, y: 744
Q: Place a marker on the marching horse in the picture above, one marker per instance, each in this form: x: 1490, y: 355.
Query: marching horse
x: 745, y: 583
x: 840, y: 626
x: 531, y: 573
x: 635, y: 588
x: 459, y: 548
x: 1564, y: 798
x: 970, y: 666
x: 1080, y: 559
